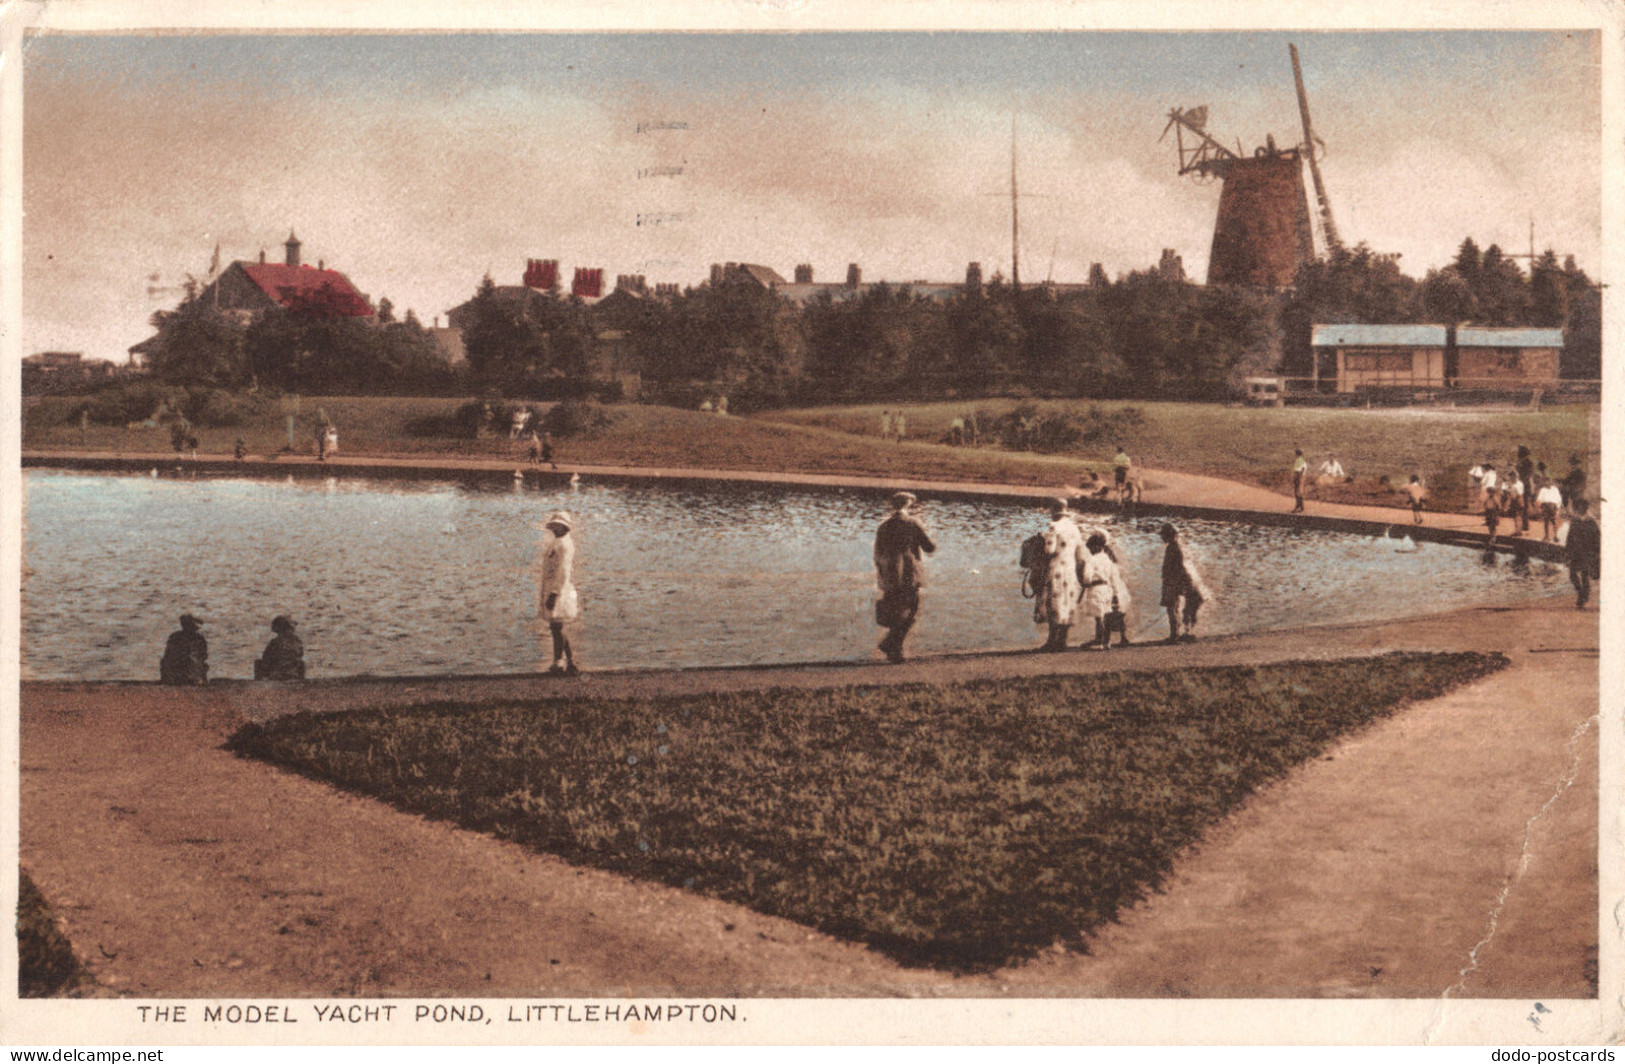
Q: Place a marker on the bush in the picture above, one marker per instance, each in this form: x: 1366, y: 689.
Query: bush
x: 576, y: 417
x: 127, y: 402
x: 217, y: 408
x: 1027, y: 428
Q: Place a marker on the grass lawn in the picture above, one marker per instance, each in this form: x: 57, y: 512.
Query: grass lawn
x: 654, y: 436
x: 959, y: 826
x: 1255, y: 444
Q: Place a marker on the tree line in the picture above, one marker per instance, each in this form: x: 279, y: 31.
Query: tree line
x: 1142, y: 336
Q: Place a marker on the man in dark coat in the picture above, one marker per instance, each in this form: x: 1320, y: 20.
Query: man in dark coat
x: 1585, y: 552
x: 899, y: 571
x: 1181, y: 596
x: 186, y: 655
x: 284, y: 657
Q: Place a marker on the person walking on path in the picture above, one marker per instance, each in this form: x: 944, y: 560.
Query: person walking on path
x: 559, y: 605
x: 1548, y: 500
x: 1475, y: 486
x: 1300, y: 472
x: 1104, y: 591
x: 1182, y: 592
x: 899, y: 572
x: 1488, y: 485
x: 1574, y: 481
x: 1120, y: 467
x: 1056, y: 578
x: 1512, y: 504
x: 1418, y: 494
x: 186, y: 655
x: 1585, y: 552
x: 1526, y: 476
x: 284, y: 657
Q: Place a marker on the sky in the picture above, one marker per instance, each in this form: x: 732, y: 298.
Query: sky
x: 418, y: 163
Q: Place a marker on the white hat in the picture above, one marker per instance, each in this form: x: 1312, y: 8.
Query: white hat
x: 560, y: 517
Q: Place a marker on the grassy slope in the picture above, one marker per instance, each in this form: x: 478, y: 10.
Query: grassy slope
x: 1255, y: 444
x: 1251, y: 445
x: 958, y: 826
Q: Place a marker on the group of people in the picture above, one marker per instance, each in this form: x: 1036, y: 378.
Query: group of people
x: 186, y: 654
x: 1071, y: 571
x: 1523, y: 490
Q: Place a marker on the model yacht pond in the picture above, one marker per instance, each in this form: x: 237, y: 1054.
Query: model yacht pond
x: 403, y: 578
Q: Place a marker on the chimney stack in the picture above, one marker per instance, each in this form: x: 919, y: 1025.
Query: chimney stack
x: 973, y: 277
x: 854, y: 276
x: 804, y: 274
x: 262, y: 256
x: 292, y: 244
x: 321, y: 264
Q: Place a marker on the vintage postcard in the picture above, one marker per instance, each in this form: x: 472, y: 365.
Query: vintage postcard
x: 802, y: 522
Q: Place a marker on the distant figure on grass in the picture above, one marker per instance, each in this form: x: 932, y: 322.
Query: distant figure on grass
x: 899, y: 572
x: 1300, y: 473
x: 547, y: 450
x: 885, y: 424
x: 1053, y: 573
x: 321, y: 443
x: 1105, y: 593
x: 1548, y: 500
x: 899, y: 426
x: 186, y: 655
x: 1585, y: 552
x: 1418, y: 494
x: 331, y: 438
x: 533, y: 448
x: 1330, y: 470
x: 560, y: 605
x: 240, y: 450
x: 1182, y: 589
x: 284, y: 657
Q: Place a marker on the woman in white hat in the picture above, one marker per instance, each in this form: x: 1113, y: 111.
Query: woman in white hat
x: 559, y: 603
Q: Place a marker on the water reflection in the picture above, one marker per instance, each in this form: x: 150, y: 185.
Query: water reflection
x: 404, y: 577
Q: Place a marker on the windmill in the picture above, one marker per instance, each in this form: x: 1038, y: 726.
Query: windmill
x: 1263, y: 232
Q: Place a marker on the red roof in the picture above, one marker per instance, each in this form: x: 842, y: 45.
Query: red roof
x: 306, y: 285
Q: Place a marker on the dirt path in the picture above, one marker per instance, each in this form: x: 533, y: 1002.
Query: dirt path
x: 180, y: 870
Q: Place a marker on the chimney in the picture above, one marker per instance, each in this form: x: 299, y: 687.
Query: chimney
x: 804, y: 273
x: 321, y: 265
x: 437, y: 321
x: 588, y: 283
x: 973, y: 277
x: 292, y: 244
x: 262, y: 256
x: 854, y: 276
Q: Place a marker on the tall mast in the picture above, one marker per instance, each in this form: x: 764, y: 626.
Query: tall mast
x: 1309, y: 148
x: 1015, y: 216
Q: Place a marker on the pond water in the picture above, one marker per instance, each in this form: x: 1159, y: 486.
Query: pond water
x: 418, y: 578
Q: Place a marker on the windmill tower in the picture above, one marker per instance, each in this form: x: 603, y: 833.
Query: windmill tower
x: 1264, y: 231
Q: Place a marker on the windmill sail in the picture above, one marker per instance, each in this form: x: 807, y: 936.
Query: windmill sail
x: 1309, y: 142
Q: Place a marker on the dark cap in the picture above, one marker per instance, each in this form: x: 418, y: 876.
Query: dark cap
x: 189, y: 621
x: 282, y: 623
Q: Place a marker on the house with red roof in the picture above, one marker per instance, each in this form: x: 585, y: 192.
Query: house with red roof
x: 245, y: 290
